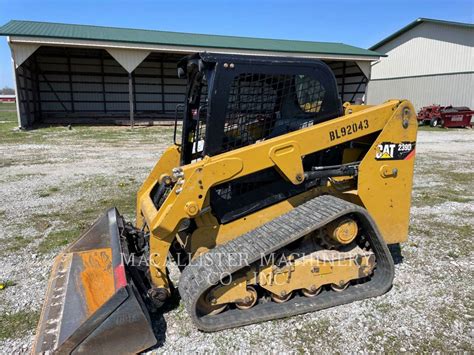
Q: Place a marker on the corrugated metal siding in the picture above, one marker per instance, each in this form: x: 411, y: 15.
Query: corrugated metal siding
x: 94, y: 33
x: 454, y: 89
x: 96, y: 85
x: 415, y: 23
x: 427, y: 49
x: 27, y: 94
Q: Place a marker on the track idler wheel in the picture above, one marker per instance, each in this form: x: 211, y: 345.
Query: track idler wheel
x: 249, y: 301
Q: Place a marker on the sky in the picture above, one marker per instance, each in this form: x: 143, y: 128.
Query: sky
x: 359, y: 23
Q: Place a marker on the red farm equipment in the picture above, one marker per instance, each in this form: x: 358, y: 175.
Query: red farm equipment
x: 445, y: 116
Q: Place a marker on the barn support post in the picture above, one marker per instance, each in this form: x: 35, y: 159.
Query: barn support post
x: 19, y: 95
x: 71, y: 91
x: 129, y: 60
x: 162, y: 82
x: 130, y: 98
x: 343, y: 89
x: 102, y: 73
x: 366, y: 68
x: 20, y: 53
x: 26, y: 86
x: 39, y: 114
x: 134, y: 90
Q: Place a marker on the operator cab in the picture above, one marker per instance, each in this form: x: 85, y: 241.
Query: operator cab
x: 233, y: 101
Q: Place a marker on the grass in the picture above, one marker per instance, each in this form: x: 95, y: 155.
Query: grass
x: 112, y: 192
x: 7, y: 107
x: 441, y: 339
x: 41, y: 225
x: 17, y: 324
x: 67, y: 223
x: 58, y: 239
x: 438, y: 196
x: 110, y: 134
x: 460, y: 178
x: 430, y: 227
x: 12, y: 245
x: 28, y: 175
x: 49, y: 191
x: 125, y: 202
x: 448, y: 237
x: 71, y: 222
x: 308, y: 332
x: 7, y: 283
x: 456, y: 235
x: 383, y: 307
x: 454, y: 186
x: 120, y: 194
x: 391, y: 343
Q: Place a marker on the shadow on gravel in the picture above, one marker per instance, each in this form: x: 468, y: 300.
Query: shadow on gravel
x: 396, y: 252
x: 158, y: 320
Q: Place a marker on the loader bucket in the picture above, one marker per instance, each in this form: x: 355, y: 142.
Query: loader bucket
x: 92, y: 304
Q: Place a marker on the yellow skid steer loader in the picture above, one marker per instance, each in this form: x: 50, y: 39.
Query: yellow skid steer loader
x: 277, y: 200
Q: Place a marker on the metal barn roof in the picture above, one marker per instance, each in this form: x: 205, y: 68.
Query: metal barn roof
x: 178, y: 39
x: 415, y: 23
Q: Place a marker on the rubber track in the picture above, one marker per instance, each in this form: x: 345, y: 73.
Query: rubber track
x: 206, y: 270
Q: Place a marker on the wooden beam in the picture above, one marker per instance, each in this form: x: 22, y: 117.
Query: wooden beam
x: 27, y: 82
x: 343, y: 81
x: 134, y: 89
x: 103, y: 80
x: 20, y: 99
x: 130, y: 98
x: 162, y: 72
x: 36, y: 92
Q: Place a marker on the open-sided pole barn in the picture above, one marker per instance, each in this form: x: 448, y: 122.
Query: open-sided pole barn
x: 88, y: 74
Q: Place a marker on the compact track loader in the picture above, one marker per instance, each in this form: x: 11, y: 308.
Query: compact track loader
x: 277, y: 200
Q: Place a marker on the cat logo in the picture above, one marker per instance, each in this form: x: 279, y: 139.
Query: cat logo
x: 395, y: 151
x: 385, y: 151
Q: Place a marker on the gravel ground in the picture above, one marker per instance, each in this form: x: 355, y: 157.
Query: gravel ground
x: 55, y: 181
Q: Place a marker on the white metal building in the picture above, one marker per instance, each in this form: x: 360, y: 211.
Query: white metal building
x: 83, y: 74
x: 428, y: 62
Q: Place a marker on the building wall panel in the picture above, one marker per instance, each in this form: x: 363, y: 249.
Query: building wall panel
x: 425, y: 50
x: 27, y: 93
x: 455, y: 89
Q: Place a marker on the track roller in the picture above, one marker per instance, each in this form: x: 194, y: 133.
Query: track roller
x: 249, y: 301
x: 205, y: 306
x: 312, y: 292
x: 339, y: 288
x: 282, y: 298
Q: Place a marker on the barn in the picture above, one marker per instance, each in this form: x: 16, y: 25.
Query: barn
x: 429, y: 62
x: 68, y: 73
x: 7, y: 98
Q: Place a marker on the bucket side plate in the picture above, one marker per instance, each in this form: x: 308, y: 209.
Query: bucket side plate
x: 91, y: 303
